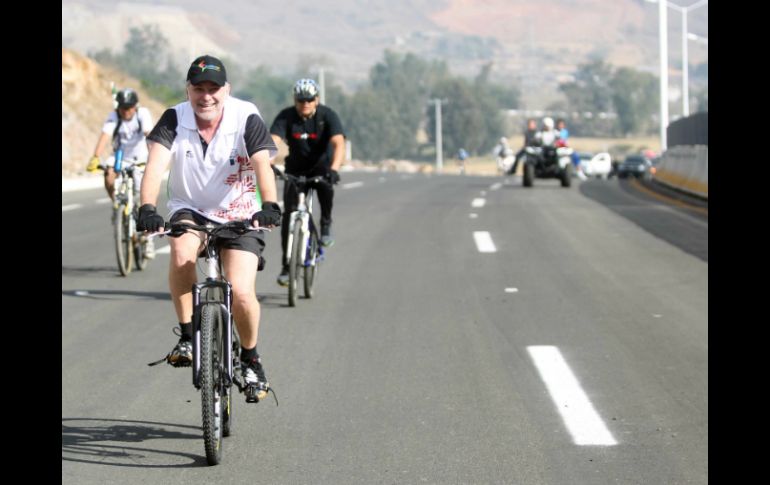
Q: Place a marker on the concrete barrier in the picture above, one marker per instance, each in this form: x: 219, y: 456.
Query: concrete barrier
x: 686, y: 168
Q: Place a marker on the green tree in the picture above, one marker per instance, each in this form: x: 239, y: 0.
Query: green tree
x: 404, y: 82
x: 372, y: 125
x: 635, y: 98
x: 590, y: 92
x: 462, y: 119
x: 493, y: 98
x: 146, y: 56
x: 269, y: 92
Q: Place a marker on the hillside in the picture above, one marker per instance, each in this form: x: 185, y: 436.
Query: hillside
x: 86, y: 101
x: 536, y: 43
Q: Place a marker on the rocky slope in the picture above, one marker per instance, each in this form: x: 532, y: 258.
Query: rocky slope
x: 86, y: 101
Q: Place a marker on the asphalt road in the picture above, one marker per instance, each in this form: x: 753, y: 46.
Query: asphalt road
x: 575, y: 351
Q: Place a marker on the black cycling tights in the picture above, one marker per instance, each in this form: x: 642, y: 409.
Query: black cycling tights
x: 290, y: 200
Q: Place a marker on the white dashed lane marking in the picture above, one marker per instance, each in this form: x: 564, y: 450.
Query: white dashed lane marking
x: 484, y: 242
x: 71, y: 207
x: 478, y: 202
x: 582, y: 421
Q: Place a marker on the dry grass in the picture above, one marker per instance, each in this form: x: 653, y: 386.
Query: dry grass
x: 617, y: 147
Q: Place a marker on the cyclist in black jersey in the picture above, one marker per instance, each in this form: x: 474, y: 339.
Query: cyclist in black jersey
x: 316, y: 143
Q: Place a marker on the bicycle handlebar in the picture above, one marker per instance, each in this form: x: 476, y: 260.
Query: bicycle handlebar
x: 126, y: 165
x: 178, y: 228
x: 301, y: 179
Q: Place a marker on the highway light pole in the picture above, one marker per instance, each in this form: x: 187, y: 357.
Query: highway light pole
x: 663, y: 46
x: 439, y: 141
x: 685, y: 63
x: 663, y: 38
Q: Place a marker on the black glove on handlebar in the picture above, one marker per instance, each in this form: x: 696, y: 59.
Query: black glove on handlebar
x: 333, y: 176
x: 149, y: 219
x: 270, y: 215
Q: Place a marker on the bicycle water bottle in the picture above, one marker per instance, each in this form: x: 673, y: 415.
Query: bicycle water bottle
x: 118, y: 159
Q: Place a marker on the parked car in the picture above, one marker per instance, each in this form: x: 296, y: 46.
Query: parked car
x: 599, y: 165
x: 637, y: 166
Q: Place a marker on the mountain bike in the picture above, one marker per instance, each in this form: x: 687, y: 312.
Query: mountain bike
x: 130, y: 245
x: 216, y: 343
x: 303, y: 249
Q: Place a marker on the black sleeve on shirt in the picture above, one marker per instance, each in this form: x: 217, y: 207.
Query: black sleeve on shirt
x: 279, y: 125
x: 335, y: 125
x: 165, y: 130
x: 256, y: 136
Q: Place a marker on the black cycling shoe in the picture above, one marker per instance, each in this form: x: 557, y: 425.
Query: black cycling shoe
x: 181, y: 355
x: 327, y: 240
x: 255, y: 384
x: 283, y: 278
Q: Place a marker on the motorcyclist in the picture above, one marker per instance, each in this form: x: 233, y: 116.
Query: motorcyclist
x: 547, y: 136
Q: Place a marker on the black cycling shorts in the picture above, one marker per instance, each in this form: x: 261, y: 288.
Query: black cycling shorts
x: 251, y: 241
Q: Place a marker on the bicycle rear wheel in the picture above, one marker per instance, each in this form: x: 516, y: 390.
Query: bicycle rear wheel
x: 212, y: 386
x: 297, y: 260
x: 123, y: 245
x: 311, y: 264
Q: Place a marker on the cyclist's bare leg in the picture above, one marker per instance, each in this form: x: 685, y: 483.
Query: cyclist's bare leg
x: 181, y: 273
x: 241, y: 268
x: 109, y: 182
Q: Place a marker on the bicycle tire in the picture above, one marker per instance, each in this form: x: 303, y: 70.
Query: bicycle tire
x: 123, y: 246
x: 311, y: 269
x: 296, y: 261
x: 211, y: 381
x: 227, y: 423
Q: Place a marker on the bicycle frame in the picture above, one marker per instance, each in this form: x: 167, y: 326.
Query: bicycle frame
x: 303, y: 216
x: 214, y: 279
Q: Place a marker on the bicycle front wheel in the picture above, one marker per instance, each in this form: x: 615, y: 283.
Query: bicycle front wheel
x: 297, y: 260
x: 211, y: 380
x: 311, y: 264
x: 123, y: 245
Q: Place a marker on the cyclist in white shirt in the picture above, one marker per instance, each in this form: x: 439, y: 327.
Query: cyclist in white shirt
x: 127, y: 128
x: 219, y: 151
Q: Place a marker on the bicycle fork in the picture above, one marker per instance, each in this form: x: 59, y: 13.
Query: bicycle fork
x: 226, y: 331
x: 303, y: 218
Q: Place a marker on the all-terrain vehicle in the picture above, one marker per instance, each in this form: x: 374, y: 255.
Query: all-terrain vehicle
x: 547, y: 162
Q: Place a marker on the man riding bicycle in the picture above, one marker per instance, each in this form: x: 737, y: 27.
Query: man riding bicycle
x: 316, y: 143
x: 127, y: 127
x: 219, y: 150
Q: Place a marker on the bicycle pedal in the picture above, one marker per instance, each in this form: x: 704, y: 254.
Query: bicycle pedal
x: 252, y: 394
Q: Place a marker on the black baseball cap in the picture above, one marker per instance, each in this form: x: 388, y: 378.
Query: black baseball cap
x: 207, y: 68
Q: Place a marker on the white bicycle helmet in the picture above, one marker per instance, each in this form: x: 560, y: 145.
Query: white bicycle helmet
x: 305, y: 89
x: 548, y: 122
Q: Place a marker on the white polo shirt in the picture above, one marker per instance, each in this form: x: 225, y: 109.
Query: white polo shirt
x: 220, y: 184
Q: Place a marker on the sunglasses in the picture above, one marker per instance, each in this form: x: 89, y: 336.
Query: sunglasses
x: 304, y: 100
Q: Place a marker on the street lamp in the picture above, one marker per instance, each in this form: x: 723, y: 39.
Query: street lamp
x: 663, y: 48
x: 698, y: 38
x: 685, y: 35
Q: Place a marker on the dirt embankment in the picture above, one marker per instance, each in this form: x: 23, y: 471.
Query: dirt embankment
x: 85, y: 103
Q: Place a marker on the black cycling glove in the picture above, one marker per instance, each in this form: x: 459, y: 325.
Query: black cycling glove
x: 149, y: 219
x: 270, y: 215
x: 333, y: 176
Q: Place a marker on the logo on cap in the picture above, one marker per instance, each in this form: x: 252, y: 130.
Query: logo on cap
x: 203, y: 66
